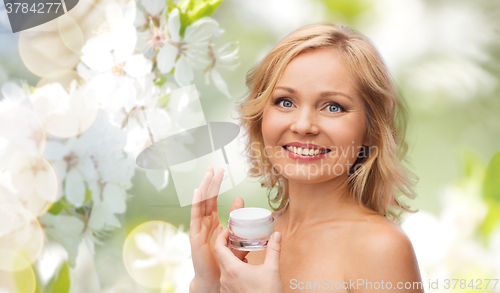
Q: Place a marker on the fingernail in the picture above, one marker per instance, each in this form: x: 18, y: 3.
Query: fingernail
x: 225, y: 176
x: 277, y: 237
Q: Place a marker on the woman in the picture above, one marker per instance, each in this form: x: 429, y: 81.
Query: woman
x: 326, y: 130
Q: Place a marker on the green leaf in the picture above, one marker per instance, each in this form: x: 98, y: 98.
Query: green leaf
x: 56, y: 208
x: 171, y: 6
x: 491, y: 220
x: 185, y: 21
x: 38, y: 286
x: 203, y: 8
x: 59, y: 206
x: 185, y: 5
x: 88, y: 196
x: 163, y: 100
x: 491, y: 183
x: 192, y: 10
x: 473, y: 166
x: 160, y: 81
x: 60, y: 282
x: 24, y: 278
x: 350, y: 9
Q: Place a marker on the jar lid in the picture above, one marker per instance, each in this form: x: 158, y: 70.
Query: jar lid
x: 250, y: 216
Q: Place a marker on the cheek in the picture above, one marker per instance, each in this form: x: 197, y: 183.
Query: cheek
x: 272, y: 127
x: 349, y: 131
x: 346, y: 135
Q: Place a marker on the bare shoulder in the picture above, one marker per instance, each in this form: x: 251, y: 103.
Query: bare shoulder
x: 377, y: 232
x: 381, y: 251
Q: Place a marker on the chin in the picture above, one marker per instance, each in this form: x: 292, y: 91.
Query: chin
x: 307, y: 174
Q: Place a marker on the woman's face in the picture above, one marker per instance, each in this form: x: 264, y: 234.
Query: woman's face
x: 314, y: 107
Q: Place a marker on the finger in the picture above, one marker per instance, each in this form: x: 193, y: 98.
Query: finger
x: 245, y: 260
x: 240, y: 253
x: 205, y: 184
x: 195, y: 224
x: 211, y: 204
x: 222, y: 251
x: 238, y: 203
x: 273, y: 251
x: 213, y: 192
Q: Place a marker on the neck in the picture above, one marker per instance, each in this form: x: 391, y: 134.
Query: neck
x: 311, y: 204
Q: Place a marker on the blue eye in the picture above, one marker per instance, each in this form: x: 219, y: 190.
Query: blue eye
x: 287, y: 104
x: 283, y: 102
x: 333, y: 108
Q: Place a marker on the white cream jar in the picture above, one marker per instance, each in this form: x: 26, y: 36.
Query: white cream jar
x: 250, y: 228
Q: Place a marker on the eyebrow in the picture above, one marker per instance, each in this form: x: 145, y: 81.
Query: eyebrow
x: 323, y: 94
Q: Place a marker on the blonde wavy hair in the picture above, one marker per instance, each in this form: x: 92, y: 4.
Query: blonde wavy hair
x: 380, y: 178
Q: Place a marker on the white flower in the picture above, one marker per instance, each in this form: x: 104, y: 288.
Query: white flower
x: 27, y: 180
x: 16, y: 94
x: 95, y: 161
x: 119, y: 77
x: 169, y: 249
x: 20, y: 128
x: 64, y: 114
x: 156, y: 34
x: 223, y: 57
x: 164, y: 246
x: 121, y: 84
x: 191, y: 50
x: 68, y: 231
x: 153, y: 7
x: 446, y: 244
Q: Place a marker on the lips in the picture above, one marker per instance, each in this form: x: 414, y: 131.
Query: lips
x: 305, y: 151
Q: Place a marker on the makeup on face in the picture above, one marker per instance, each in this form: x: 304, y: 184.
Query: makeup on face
x: 250, y: 228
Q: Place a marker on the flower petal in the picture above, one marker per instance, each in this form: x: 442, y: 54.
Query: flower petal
x: 153, y: 7
x: 159, y: 178
x: 55, y: 150
x: 102, y: 217
x: 115, y: 196
x: 87, y: 168
x: 183, y: 72
x: 147, y: 244
x: 74, y: 188
x: 96, y: 53
x: 166, y: 58
x: 129, y: 12
x: 66, y: 230
x: 13, y: 92
x: 138, y: 66
x: 200, y: 30
x: 220, y: 83
x: 145, y: 263
x: 125, y: 39
x: 174, y: 25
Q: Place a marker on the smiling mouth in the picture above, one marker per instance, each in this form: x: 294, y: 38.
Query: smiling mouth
x: 305, y: 151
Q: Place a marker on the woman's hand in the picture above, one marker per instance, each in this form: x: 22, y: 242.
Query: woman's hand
x: 240, y: 277
x: 204, y: 229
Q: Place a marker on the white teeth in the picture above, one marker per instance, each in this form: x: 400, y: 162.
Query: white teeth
x: 305, y: 152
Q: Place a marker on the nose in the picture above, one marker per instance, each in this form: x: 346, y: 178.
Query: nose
x: 304, y: 123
